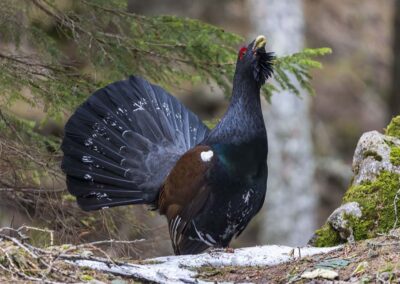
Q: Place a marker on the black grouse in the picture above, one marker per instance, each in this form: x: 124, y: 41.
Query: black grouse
x: 133, y: 143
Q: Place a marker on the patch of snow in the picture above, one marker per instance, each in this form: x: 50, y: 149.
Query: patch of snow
x: 177, y: 269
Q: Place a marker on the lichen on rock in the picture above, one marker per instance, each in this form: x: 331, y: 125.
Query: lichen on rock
x: 372, y: 156
x: 375, y: 185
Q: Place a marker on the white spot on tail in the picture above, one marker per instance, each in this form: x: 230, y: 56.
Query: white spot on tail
x: 246, y: 197
x: 210, y: 242
x: 206, y: 155
x: 174, y: 230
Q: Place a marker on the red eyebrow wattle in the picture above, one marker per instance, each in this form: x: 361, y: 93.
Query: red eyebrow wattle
x: 242, y: 51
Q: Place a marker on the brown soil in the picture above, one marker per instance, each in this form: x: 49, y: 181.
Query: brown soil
x: 371, y: 261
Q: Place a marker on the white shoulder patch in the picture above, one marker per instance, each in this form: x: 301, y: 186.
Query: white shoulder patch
x: 206, y: 155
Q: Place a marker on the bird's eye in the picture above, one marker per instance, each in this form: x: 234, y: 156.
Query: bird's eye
x: 242, y: 52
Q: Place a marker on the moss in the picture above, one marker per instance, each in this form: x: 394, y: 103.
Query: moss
x: 207, y: 271
x: 395, y: 156
x: 69, y: 197
x: 393, y: 129
x: 326, y: 236
x: 373, y: 154
x: 376, y: 201
x: 3, y: 260
x: 378, y: 214
x: 86, y: 277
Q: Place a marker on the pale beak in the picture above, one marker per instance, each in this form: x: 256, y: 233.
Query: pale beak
x: 259, y: 42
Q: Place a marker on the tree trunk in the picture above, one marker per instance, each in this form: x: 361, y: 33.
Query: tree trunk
x: 289, y: 211
x: 394, y: 99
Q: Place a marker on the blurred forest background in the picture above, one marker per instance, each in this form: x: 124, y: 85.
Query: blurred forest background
x: 312, y: 139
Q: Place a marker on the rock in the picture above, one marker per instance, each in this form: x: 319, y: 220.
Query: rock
x: 320, y: 273
x: 372, y: 156
x: 372, y: 202
x: 339, y: 222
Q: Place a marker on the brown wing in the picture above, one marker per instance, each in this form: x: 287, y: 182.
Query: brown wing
x: 183, y: 195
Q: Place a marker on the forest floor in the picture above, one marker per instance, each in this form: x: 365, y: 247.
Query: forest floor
x: 370, y: 261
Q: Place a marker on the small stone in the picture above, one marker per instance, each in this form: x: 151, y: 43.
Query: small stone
x: 372, y: 254
x: 320, y: 273
x: 385, y: 275
x: 86, y: 253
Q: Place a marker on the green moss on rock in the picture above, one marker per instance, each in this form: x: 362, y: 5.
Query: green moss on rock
x: 393, y: 128
x: 395, y: 156
x: 326, y: 236
x: 376, y: 200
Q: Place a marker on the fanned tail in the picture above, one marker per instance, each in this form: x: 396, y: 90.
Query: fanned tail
x: 123, y: 141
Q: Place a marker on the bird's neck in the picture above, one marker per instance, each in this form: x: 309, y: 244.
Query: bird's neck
x: 243, y: 120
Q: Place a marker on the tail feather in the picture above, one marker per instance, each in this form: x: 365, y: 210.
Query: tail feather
x: 121, y: 143
x: 100, y: 189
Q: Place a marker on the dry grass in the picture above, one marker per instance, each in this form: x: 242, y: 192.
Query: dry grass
x: 21, y: 262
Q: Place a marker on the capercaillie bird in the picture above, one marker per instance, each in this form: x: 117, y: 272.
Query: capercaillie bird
x: 133, y: 143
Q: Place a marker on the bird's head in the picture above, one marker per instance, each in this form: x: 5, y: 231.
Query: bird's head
x: 255, y: 61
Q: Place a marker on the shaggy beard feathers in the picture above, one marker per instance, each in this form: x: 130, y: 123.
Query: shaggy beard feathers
x: 263, y: 66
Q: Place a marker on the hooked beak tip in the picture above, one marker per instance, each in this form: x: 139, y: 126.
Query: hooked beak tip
x: 260, y: 42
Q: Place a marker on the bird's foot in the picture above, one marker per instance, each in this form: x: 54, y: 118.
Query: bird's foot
x: 229, y: 250
x: 225, y: 250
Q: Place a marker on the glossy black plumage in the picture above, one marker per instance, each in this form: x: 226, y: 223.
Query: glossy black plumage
x: 123, y: 141
x: 132, y: 143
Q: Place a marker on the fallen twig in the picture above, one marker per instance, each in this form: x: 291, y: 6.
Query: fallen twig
x: 22, y: 236
x: 44, y: 264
